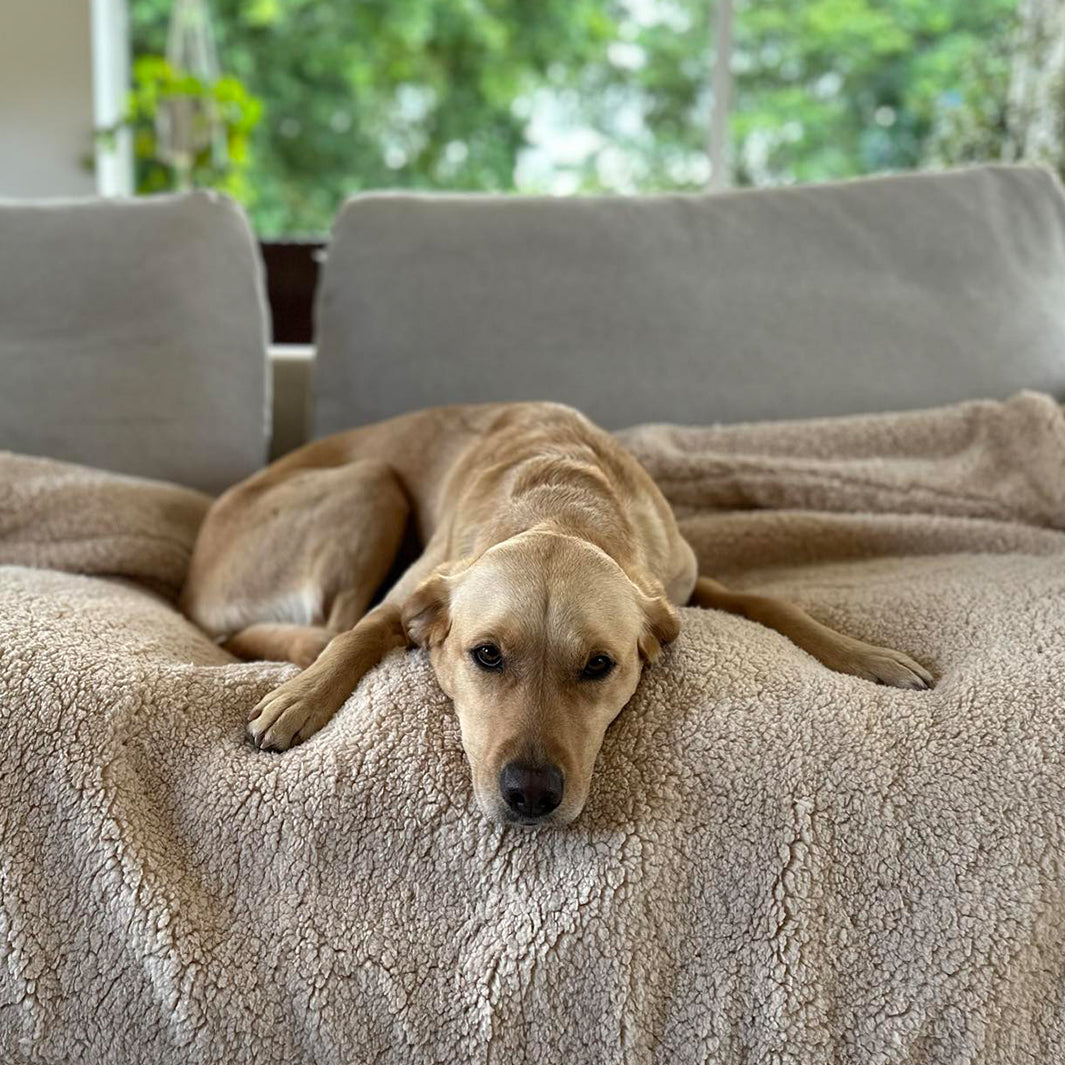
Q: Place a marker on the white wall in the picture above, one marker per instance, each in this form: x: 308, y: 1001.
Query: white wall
x: 46, y: 97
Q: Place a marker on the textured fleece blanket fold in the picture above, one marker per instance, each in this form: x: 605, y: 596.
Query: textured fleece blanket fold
x: 777, y: 863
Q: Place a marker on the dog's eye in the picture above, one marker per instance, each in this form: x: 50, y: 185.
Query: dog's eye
x: 488, y: 656
x: 598, y: 666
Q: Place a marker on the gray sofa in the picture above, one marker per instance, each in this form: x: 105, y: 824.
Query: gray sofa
x: 133, y: 335
x: 777, y: 863
x: 884, y: 294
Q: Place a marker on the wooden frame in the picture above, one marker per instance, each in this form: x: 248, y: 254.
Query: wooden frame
x: 291, y: 280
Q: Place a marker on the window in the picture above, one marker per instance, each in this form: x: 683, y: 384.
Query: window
x: 564, y: 96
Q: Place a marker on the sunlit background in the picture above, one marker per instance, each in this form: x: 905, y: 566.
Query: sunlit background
x: 313, y: 100
x: 566, y: 96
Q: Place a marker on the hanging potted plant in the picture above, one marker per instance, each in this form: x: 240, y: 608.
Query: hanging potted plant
x: 190, y: 124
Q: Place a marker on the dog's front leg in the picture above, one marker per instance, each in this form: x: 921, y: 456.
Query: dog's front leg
x: 300, y: 707
x: 844, y: 654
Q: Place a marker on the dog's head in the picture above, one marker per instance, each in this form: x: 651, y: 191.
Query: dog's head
x: 539, y: 642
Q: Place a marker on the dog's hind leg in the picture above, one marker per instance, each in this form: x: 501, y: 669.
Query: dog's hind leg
x: 279, y: 560
x: 302, y: 644
x: 844, y: 654
x: 278, y: 642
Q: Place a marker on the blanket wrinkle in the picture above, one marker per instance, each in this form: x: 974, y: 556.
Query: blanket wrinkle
x: 57, y: 515
x: 976, y: 459
x: 777, y: 863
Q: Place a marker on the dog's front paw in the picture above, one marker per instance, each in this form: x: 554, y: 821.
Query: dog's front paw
x: 885, y: 666
x: 293, y: 712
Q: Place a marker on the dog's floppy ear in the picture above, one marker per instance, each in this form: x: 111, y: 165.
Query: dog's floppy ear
x: 661, y: 625
x: 426, y: 614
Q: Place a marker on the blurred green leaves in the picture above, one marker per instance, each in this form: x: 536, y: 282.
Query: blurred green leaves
x: 589, y: 95
x: 831, y: 88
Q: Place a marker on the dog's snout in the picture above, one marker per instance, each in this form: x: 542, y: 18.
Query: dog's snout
x: 531, y: 791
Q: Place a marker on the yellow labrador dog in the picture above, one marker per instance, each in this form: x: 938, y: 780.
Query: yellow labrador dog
x: 548, y: 577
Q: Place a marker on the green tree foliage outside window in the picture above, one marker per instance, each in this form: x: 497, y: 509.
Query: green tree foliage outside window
x: 595, y: 95
x: 833, y: 88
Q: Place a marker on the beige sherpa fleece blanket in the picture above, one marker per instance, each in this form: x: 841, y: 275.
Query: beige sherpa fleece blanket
x: 777, y: 863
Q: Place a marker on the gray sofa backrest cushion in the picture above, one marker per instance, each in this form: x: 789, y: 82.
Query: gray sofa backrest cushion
x: 133, y: 336
x: 887, y: 293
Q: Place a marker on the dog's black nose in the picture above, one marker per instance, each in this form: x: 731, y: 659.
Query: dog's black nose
x: 532, y: 791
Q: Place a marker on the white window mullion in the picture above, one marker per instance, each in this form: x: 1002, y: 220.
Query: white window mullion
x: 110, y: 85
